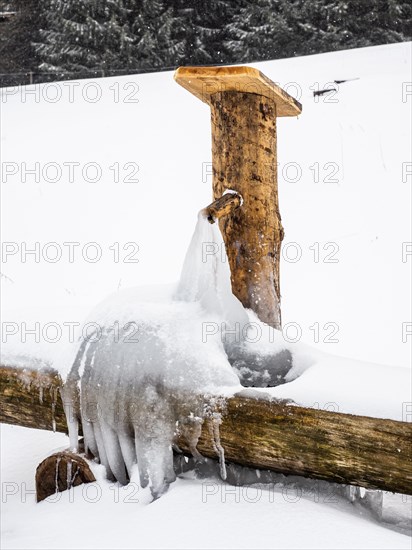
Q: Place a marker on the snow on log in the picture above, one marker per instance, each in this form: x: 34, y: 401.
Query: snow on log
x: 255, y: 432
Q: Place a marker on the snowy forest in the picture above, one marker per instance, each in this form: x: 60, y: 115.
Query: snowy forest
x: 58, y: 39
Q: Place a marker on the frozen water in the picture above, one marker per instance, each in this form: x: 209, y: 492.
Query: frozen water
x: 258, y: 353
x: 149, y: 371
x: 206, y: 278
x: 149, y: 368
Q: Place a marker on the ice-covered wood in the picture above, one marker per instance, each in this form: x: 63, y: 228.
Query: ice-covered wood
x: 267, y: 434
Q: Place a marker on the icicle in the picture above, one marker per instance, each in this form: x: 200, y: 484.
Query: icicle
x: 75, y: 475
x: 215, y: 421
x: 69, y: 475
x: 56, y: 477
x: 205, y: 278
x: 41, y: 394
x: 70, y: 395
x: 191, y: 429
x: 53, y: 417
x: 54, y: 401
x: 130, y: 399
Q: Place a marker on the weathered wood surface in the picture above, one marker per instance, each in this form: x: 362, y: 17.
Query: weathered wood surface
x: 60, y: 472
x: 358, y: 450
x: 222, y: 206
x: 244, y: 106
x: 244, y: 159
x: 203, y: 82
x: 31, y: 398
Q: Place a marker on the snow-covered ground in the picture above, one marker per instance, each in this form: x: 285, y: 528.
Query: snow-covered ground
x: 344, y: 184
x: 193, y: 514
x: 363, y: 208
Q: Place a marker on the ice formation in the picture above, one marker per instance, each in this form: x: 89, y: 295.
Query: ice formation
x: 150, y: 370
x: 206, y: 278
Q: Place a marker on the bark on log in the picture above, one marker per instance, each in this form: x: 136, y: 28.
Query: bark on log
x: 358, y: 450
x: 31, y: 398
x: 266, y: 434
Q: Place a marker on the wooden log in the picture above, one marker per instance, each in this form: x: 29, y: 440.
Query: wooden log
x: 60, y: 472
x: 222, y: 206
x: 244, y: 106
x: 31, y: 398
x: 357, y: 450
x: 260, y: 433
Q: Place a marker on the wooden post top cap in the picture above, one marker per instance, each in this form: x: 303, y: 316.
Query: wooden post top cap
x: 203, y: 82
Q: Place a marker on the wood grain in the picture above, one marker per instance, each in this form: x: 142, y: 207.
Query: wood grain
x: 244, y: 160
x: 59, y: 472
x: 31, y: 398
x: 244, y: 107
x: 357, y: 450
x: 204, y: 82
x: 222, y: 206
x: 261, y: 433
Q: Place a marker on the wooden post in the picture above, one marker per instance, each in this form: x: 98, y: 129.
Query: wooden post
x: 244, y: 106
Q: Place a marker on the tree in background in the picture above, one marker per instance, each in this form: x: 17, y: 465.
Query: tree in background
x: 169, y: 33
x: 17, y: 35
x: 327, y: 25
x: 6, y: 25
x: 202, y: 28
x: 262, y: 30
x: 78, y: 36
x: 152, y: 23
x: 375, y: 21
x: 69, y: 38
x: 269, y: 29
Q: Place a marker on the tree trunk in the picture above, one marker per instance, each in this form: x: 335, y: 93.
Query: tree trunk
x: 255, y: 432
x: 244, y: 159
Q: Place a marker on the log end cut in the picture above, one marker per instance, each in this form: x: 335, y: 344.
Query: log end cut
x: 60, y: 472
